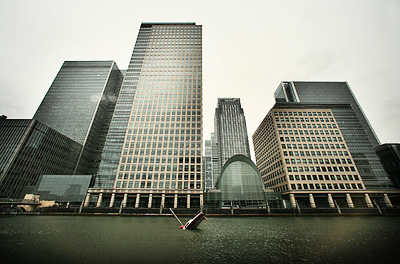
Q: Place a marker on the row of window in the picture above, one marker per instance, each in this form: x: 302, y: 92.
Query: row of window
x: 273, y: 166
x: 157, y: 159
x: 160, y: 138
x: 162, y: 151
x: 320, y: 169
x: 147, y: 167
x: 180, y: 59
x: 156, y: 131
x: 155, y: 115
x: 306, y: 119
x: 159, y: 185
x: 161, y: 176
x: 302, y: 114
x: 164, y: 144
x: 318, y: 161
x: 161, y: 124
x: 309, y: 132
x: 324, y: 177
x: 316, y: 153
x: 272, y: 175
x: 313, y: 146
x: 307, y: 125
x: 312, y: 139
x: 328, y: 186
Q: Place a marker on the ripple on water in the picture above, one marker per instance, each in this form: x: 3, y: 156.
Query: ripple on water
x: 219, y: 240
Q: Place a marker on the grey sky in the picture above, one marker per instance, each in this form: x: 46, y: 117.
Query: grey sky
x: 248, y: 48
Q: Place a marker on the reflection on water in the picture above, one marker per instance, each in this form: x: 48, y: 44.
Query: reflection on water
x: 67, y: 239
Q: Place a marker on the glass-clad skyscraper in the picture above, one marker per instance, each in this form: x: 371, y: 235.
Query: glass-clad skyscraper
x: 207, y: 166
x: 230, y: 130
x: 79, y: 104
x: 215, y: 159
x: 153, y: 151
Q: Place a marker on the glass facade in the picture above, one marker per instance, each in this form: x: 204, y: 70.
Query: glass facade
x: 230, y: 130
x: 215, y: 159
x: 80, y: 103
x: 119, y: 122
x: 240, y: 183
x: 389, y: 154
x: 64, y: 188
x: 29, y: 149
x: 354, y: 125
x: 207, y: 166
x: 155, y: 138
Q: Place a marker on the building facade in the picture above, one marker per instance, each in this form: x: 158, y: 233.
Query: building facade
x: 230, y: 130
x: 207, y: 166
x: 301, y: 152
x: 389, y: 154
x: 29, y: 149
x: 354, y: 125
x: 153, y: 152
x: 69, y: 189
x: 215, y: 159
x: 79, y: 104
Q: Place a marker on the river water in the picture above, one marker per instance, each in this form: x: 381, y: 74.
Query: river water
x: 102, y: 239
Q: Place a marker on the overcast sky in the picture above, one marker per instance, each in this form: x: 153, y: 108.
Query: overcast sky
x: 248, y: 48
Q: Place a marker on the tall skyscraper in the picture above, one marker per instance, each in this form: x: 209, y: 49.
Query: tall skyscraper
x: 153, y: 152
x: 79, y: 104
x: 230, y: 130
x: 215, y: 159
x: 354, y: 125
x: 207, y: 166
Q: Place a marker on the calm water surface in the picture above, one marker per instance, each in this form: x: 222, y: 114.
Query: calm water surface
x: 68, y: 239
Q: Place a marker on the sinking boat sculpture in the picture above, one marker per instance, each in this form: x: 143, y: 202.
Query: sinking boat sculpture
x: 192, y: 223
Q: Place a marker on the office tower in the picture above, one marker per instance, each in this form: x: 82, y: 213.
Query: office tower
x: 207, y: 166
x: 29, y: 149
x: 389, y: 154
x: 153, y: 151
x: 79, y: 104
x: 230, y: 130
x: 354, y: 125
x: 317, y: 153
x: 215, y: 159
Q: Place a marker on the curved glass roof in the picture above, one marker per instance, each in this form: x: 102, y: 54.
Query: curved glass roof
x: 240, y: 180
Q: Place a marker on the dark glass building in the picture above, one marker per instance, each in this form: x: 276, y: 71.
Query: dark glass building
x: 389, y: 154
x: 353, y: 123
x: 64, y: 188
x: 80, y: 104
x: 207, y: 166
x: 215, y: 159
x: 230, y: 130
x: 29, y: 149
x: 153, y: 151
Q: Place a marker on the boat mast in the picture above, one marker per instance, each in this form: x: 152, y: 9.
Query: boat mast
x: 175, y: 216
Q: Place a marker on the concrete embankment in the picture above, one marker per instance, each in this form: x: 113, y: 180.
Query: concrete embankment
x: 234, y: 212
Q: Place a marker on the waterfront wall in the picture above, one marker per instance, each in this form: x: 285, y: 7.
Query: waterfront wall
x: 234, y: 212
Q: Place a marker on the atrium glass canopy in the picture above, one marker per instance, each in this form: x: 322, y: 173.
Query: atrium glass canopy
x: 240, y: 183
